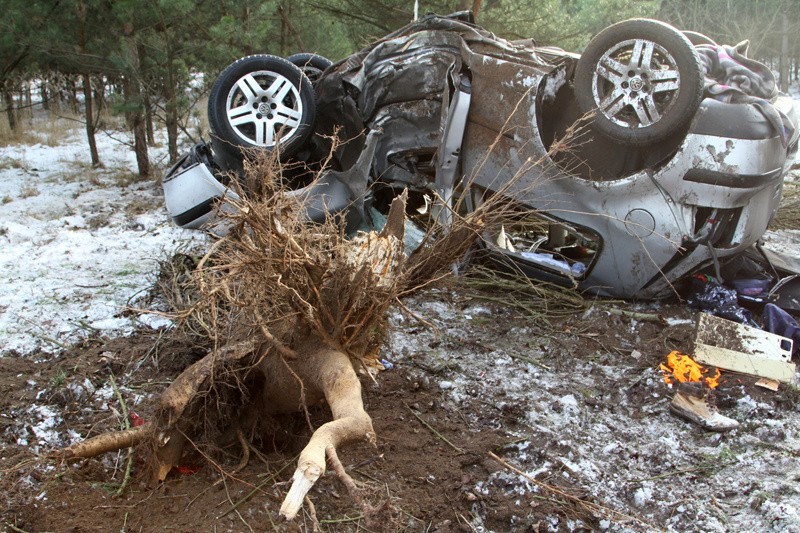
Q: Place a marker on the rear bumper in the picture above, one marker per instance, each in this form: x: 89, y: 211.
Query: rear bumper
x: 192, y: 194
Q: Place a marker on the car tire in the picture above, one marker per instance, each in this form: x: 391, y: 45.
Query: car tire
x: 642, y: 79
x: 698, y: 39
x: 260, y: 102
x: 312, y: 65
x: 226, y: 156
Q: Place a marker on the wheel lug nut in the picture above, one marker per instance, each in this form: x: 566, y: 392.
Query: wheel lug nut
x: 259, y: 115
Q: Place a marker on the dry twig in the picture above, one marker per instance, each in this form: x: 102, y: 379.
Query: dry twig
x: 592, y: 507
x: 433, y: 430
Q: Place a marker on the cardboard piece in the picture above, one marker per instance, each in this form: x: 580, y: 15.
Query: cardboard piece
x: 766, y: 383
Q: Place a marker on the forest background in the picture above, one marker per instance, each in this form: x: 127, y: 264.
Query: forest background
x: 152, y: 61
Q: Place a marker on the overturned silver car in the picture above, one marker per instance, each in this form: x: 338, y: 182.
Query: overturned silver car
x: 654, y: 154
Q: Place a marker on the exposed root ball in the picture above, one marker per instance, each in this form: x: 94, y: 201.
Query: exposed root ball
x: 292, y: 311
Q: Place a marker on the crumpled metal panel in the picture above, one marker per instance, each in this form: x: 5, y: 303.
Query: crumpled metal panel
x: 401, y: 86
x: 418, y: 62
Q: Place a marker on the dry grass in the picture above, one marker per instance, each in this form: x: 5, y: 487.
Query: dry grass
x: 24, y: 134
x: 81, y: 170
x: 29, y: 191
x: 75, y: 170
x: 537, y: 299
x: 49, y: 127
x: 42, y: 127
x: 788, y: 216
x: 9, y: 163
x: 123, y: 176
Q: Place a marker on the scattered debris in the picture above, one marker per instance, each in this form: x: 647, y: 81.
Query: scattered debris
x: 776, y: 320
x: 769, y: 384
x: 694, y: 402
x: 709, y: 296
x: 726, y: 344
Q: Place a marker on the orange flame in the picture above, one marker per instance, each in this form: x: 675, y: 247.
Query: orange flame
x: 681, y: 367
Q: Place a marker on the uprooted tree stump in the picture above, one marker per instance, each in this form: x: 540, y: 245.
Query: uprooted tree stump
x: 294, y: 311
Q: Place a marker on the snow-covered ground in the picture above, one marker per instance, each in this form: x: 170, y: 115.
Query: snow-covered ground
x: 601, y: 419
x: 77, y: 245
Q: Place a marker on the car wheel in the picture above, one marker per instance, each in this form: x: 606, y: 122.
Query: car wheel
x: 261, y: 101
x: 312, y: 65
x: 643, y: 80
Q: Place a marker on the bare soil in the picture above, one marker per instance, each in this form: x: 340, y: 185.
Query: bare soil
x: 576, y: 402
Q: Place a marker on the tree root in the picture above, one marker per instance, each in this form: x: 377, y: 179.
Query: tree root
x: 106, y: 442
x: 333, y: 373
x: 245, y: 444
x: 370, y: 512
x: 316, y: 373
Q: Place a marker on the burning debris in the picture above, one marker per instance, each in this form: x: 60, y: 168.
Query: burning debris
x: 694, y: 398
x: 730, y: 345
x: 682, y: 369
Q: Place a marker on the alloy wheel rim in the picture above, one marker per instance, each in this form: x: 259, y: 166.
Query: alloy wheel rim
x: 635, y: 83
x: 264, y: 108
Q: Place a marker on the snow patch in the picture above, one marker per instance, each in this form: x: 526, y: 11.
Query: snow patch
x: 77, y: 245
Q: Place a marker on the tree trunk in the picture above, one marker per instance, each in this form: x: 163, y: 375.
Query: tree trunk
x: 476, y: 7
x: 87, y: 90
x: 282, y: 40
x: 148, y: 120
x: 43, y: 95
x: 784, y: 69
x: 55, y: 93
x: 287, y: 28
x: 100, y: 96
x: 245, y: 20
x: 72, y: 93
x: 133, y: 97
x: 171, y: 117
x: 11, y: 113
x: 331, y: 372
x: 89, y: 112
x: 28, y: 99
